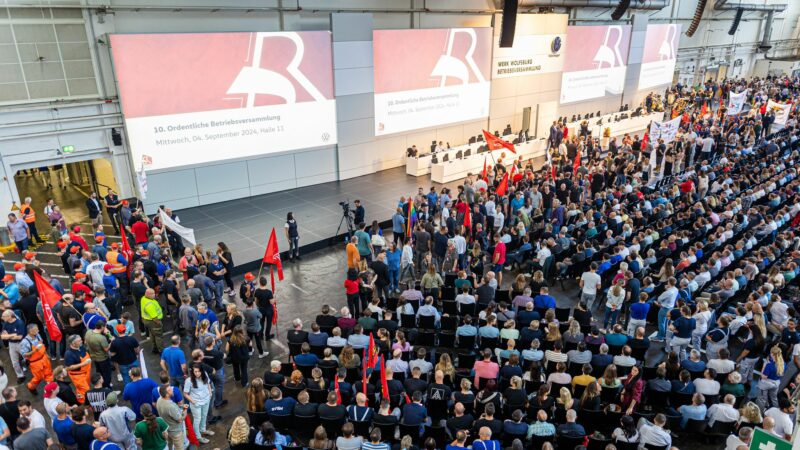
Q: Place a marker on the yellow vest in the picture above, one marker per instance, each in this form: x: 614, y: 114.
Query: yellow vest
x: 151, y: 309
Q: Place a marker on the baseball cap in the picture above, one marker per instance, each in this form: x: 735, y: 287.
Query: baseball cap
x: 30, y: 255
x: 19, y: 266
x: 106, y: 267
x: 74, y: 249
x: 50, y: 387
x: 80, y: 276
x: 144, y: 253
x: 8, y: 278
x: 61, y: 244
x: 99, y: 238
x: 114, y: 245
x: 249, y: 276
x: 121, y: 329
x: 124, y: 202
x: 76, y: 229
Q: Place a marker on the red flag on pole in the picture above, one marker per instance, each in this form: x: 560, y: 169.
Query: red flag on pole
x: 502, y: 188
x: 644, y: 141
x: 191, y: 435
x: 364, y: 373
x: 371, y: 351
x: 495, y: 143
x: 384, y: 384
x: 704, y: 109
x: 49, y: 297
x: 273, y: 256
x: 483, y: 173
x: 576, y: 164
x: 336, y: 388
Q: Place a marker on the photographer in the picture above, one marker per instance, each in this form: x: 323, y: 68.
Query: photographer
x: 358, y: 212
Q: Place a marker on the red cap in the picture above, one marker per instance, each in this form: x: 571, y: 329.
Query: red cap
x: 61, y: 244
x: 8, y: 278
x: 99, y: 238
x: 19, y: 266
x: 144, y: 253
x: 121, y: 329
x: 80, y: 276
x: 74, y: 249
x: 30, y: 255
x: 125, y: 202
x: 76, y: 229
x: 249, y: 276
x: 49, y: 388
x: 106, y: 267
x: 114, y: 245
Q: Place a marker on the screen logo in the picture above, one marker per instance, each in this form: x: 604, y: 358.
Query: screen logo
x: 555, y: 45
x: 254, y: 80
x: 451, y: 66
x: 609, y: 53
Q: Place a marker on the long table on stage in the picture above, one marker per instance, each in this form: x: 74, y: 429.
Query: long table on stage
x: 421, y: 165
x: 445, y: 172
x: 619, y: 128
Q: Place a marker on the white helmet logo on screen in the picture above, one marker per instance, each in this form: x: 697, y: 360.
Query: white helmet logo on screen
x: 254, y: 80
x: 667, y: 49
x: 452, y: 66
x: 609, y: 53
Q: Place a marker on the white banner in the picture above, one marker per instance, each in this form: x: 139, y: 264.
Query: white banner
x: 530, y: 55
x: 141, y: 178
x: 781, y: 111
x: 664, y: 130
x: 180, y: 230
x: 736, y: 102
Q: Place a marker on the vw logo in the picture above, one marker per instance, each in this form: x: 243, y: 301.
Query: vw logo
x: 555, y: 45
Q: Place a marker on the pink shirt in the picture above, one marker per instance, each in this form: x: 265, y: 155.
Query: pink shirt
x: 485, y: 369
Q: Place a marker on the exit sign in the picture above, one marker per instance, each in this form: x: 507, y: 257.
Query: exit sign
x: 766, y: 441
x: 68, y: 148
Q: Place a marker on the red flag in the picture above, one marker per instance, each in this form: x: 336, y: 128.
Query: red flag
x: 336, y: 388
x: 553, y: 170
x: 371, y: 351
x: 190, y: 433
x: 685, y: 118
x: 364, y: 373
x: 408, y: 399
x: 704, y: 109
x: 577, y: 163
x: 468, y: 220
x: 495, y: 143
x: 384, y: 384
x: 483, y: 174
x: 273, y: 256
x: 503, y: 186
x: 644, y: 141
x: 49, y: 297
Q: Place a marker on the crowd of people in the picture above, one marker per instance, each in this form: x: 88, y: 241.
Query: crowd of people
x: 649, y: 297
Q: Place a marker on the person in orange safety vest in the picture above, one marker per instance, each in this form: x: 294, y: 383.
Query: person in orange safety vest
x: 34, y: 350
x: 79, y: 366
x: 29, y: 216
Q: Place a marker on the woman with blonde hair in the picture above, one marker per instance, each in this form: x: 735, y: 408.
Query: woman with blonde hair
x: 317, y: 381
x: 771, y: 374
x: 573, y: 334
x: 701, y: 319
x: 320, y: 440
x: 239, y: 433
x: 550, y: 316
x: 256, y: 395
x: 509, y: 330
x: 553, y: 333
x: 614, y: 300
x: 445, y: 364
x: 565, y: 399
x: 204, y: 329
x: 538, y: 281
x: 750, y: 413
x: 518, y: 286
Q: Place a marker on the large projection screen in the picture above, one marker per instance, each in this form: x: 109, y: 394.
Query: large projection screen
x: 660, y: 55
x: 595, y: 63
x: 425, y: 78
x: 201, y: 98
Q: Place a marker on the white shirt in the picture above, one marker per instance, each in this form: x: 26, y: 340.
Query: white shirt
x: 407, y: 257
x: 706, y: 387
x: 721, y: 365
x: 722, y: 412
x: 783, y: 423
x: 461, y: 244
x: 50, y: 407
x: 590, y: 282
x: 37, y: 419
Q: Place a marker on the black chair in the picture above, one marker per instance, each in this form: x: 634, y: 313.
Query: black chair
x: 610, y: 395
x: 439, y: 434
x: 294, y: 348
x: 568, y: 442
x: 332, y: 427
x: 408, y: 320
x: 282, y: 423
x: 257, y: 418
x: 305, y: 425
x: 427, y: 322
x: 655, y: 447
x: 466, y: 343
x: 598, y: 443
x: 318, y: 396
x: 538, y: 441
x: 465, y: 361
x: 410, y: 430
x: 361, y: 428
x: 508, y: 439
x: 387, y: 431
x: 562, y: 315
x: 626, y: 445
x: 447, y: 340
x: 696, y: 427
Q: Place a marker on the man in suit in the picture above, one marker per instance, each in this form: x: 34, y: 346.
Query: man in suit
x: 93, y: 206
x: 555, y: 135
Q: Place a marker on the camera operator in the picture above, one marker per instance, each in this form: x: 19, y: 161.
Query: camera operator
x: 358, y: 212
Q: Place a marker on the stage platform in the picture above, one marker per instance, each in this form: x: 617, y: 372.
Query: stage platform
x: 244, y: 224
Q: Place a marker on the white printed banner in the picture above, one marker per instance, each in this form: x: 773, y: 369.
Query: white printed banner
x: 781, y: 111
x: 736, y: 102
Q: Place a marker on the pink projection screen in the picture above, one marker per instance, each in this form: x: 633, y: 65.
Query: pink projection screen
x: 595, y: 63
x: 200, y: 98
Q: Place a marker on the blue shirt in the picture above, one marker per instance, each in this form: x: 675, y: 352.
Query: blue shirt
x: 63, y: 429
x: 174, y: 358
x: 618, y: 339
x: 110, y: 283
x: 692, y: 412
x: 214, y: 268
x: 306, y: 359
x: 393, y: 258
x: 177, y: 395
x: 209, y: 314
x: 683, y: 327
x: 138, y: 393
x: 639, y: 311
x: 414, y: 414
x: 605, y: 265
x: 282, y: 407
x: 693, y: 366
x: 544, y: 302
x: 12, y: 291
x: 15, y: 327
x: 108, y: 445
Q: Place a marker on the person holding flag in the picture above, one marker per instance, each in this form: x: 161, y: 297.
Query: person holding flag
x: 272, y: 256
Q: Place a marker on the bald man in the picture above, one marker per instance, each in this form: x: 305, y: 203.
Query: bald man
x: 101, y: 442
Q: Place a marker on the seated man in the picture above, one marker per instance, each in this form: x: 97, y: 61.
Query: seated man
x: 570, y: 428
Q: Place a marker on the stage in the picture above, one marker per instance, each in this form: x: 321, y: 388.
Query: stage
x: 244, y: 224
